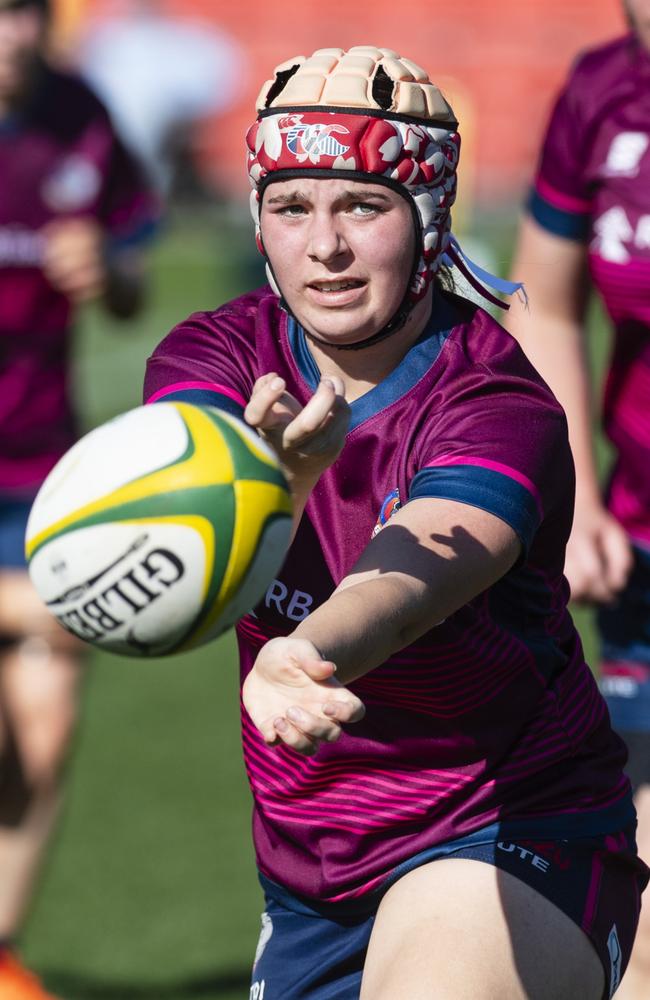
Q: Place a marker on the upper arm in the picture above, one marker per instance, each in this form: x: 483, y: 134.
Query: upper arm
x: 554, y: 272
x: 441, y: 553
x: 551, y: 254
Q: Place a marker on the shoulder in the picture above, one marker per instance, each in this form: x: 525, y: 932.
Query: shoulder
x: 615, y: 56
x: 486, y: 380
x: 66, y: 104
x: 596, y: 70
x: 483, y: 348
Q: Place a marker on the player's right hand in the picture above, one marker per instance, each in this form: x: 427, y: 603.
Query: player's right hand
x: 598, y: 556
x: 307, y: 439
x: 293, y: 698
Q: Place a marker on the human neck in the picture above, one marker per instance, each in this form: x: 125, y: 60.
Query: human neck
x: 363, y: 369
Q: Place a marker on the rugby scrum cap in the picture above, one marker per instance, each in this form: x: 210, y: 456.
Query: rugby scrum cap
x: 367, y: 113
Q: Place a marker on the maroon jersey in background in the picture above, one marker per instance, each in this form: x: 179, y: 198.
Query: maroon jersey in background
x: 58, y: 158
x: 593, y: 184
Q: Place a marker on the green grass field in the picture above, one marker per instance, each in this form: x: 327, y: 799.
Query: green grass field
x: 150, y: 889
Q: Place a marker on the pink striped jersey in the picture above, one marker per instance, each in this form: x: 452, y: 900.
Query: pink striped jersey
x: 593, y: 185
x: 493, y: 715
x: 59, y: 158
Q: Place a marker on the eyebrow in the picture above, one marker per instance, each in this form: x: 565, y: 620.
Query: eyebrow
x: 365, y: 194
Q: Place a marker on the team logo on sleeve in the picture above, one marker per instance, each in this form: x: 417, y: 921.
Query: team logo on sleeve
x: 391, y: 504
x: 625, y: 154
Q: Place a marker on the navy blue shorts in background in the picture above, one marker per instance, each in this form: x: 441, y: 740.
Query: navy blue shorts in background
x: 13, y: 521
x: 625, y: 672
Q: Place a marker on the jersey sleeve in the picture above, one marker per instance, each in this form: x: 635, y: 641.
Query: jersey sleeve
x: 129, y: 208
x: 498, y: 442
x: 560, y: 199
x: 207, y: 360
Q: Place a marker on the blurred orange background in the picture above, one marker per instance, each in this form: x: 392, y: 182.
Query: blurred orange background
x: 498, y: 62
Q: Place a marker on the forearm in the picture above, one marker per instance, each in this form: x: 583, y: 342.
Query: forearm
x: 552, y: 333
x: 407, y: 581
x: 556, y: 347
x: 361, y: 626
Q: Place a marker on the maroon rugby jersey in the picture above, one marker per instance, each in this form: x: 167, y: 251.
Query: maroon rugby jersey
x: 491, y: 716
x: 593, y: 185
x: 59, y: 158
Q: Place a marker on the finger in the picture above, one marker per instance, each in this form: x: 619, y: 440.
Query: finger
x: 617, y: 557
x: 318, y: 670
x: 266, y: 391
x: 267, y: 730
x: 344, y: 710
x: 317, y: 727
x: 325, y: 411
x: 294, y: 738
x: 270, y: 404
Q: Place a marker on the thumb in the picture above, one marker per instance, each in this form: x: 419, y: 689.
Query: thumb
x: 318, y: 670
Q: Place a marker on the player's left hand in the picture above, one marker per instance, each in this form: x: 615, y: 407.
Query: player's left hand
x: 293, y: 698
x: 307, y: 439
x: 74, y: 259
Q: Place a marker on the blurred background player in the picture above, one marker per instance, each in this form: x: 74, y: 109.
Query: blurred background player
x: 74, y: 212
x: 588, y: 226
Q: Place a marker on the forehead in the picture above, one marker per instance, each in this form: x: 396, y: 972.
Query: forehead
x: 328, y: 190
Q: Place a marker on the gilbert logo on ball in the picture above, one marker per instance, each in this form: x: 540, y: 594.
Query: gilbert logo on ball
x: 159, y: 529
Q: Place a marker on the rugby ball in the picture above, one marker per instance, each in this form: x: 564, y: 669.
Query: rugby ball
x: 159, y: 529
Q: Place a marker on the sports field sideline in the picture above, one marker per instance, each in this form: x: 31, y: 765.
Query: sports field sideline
x: 150, y: 890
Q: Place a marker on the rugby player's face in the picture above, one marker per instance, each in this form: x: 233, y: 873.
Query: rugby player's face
x: 22, y: 30
x: 342, y: 253
x: 638, y: 13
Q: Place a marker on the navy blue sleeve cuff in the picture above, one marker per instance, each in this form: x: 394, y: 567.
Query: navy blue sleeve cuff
x: 204, y: 397
x: 570, y: 225
x: 487, y: 489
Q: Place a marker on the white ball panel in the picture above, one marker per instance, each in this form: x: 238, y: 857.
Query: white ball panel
x: 125, y: 587
x: 126, y: 448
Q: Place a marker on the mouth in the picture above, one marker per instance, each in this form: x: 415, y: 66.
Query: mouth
x: 339, y: 285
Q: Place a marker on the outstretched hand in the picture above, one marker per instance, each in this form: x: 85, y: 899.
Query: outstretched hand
x: 307, y: 439
x: 293, y: 698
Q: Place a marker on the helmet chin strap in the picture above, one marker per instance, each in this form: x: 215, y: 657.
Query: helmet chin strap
x: 393, y: 326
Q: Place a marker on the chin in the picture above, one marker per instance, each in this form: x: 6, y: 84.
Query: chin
x: 334, y: 333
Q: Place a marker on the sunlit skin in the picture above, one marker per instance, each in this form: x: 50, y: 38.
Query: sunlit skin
x: 342, y: 253
x: 638, y: 13
x: 22, y: 35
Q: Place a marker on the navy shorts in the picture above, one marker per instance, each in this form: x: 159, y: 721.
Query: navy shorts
x: 625, y: 672
x: 313, y: 951
x: 13, y: 522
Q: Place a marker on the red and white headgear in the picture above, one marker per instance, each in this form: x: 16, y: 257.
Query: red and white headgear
x: 364, y: 114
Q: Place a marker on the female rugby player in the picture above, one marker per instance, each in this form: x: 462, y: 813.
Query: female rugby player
x: 440, y: 808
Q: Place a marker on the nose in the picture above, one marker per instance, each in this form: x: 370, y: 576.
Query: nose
x: 326, y: 239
